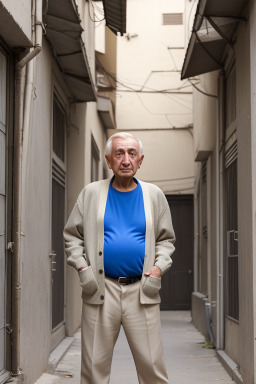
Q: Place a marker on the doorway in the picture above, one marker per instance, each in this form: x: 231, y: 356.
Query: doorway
x: 177, y: 283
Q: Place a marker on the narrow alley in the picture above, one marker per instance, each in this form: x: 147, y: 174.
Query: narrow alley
x: 187, y: 361
x: 179, y: 76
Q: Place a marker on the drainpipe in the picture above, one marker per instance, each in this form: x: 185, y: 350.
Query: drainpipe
x: 17, y: 186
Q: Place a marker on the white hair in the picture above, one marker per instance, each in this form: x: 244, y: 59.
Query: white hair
x: 122, y: 135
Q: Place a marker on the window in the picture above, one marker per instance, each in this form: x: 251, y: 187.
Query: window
x: 95, y: 158
x: 172, y: 18
x: 232, y: 299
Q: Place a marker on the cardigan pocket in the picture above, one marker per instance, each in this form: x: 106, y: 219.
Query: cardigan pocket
x: 151, y: 286
x: 88, y: 281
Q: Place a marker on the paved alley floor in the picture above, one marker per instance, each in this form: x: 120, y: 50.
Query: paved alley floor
x: 186, y: 360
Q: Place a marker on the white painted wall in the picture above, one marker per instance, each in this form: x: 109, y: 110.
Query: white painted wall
x: 205, y: 116
x: 150, y: 58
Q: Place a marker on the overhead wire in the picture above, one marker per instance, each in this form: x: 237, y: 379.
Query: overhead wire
x: 201, y: 91
x: 93, y: 19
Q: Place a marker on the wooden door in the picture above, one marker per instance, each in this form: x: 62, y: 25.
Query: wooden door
x: 177, y: 283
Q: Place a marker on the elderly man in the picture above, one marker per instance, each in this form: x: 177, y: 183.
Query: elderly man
x: 119, y: 237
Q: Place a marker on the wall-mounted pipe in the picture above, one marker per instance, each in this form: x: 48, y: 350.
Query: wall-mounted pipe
x: 20, y: 116
x: 207, y: 308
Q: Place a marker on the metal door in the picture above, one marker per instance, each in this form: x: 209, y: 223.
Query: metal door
x: 177, y: 283
x: 3, y: 74
x: 58, y: 217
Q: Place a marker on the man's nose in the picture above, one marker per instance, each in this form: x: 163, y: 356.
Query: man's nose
x: 126, y: 159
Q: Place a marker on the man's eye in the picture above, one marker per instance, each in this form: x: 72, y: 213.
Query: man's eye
x: 132, y: 154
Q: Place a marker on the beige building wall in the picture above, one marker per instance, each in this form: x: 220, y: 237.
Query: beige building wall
x: 83, y: 123
x: 36, y: 220
x: 152, y: 102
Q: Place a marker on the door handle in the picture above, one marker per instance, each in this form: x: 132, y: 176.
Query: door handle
x: 190, y: 271
x: 52, y: 255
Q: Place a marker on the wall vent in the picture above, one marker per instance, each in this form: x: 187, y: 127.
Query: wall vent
x: 172, y: 18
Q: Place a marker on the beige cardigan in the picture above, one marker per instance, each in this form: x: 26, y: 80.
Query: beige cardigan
x: 84, y: 240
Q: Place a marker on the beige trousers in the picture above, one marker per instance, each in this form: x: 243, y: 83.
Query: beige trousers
x: 100, y: 328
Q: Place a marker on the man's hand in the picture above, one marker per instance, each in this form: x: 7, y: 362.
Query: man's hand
x: 155, y: 271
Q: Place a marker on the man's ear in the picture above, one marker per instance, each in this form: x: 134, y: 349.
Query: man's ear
x: 141, y: 159
x: 108, y: 162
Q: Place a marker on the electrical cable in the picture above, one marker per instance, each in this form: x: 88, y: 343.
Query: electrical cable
x: 113, y: 77
x: 203, y: 92
x: 94, y: 14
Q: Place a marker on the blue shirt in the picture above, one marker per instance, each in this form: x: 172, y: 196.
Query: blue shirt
x: 124, y: 233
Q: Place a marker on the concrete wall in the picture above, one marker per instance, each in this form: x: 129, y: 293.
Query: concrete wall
x: 36, y: 225
x: 206, y: 121
x: 150, y: 57
x: 168, y: 160
x: 36, y: 283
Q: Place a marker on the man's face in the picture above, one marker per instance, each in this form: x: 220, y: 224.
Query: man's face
x: 125, y: 158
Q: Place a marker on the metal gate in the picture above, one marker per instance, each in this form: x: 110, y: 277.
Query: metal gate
x: 58, y: 217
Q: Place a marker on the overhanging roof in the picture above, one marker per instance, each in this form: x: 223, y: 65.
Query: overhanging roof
x: 115, y: 15
x: 214, y: 26
x: 63, y: 31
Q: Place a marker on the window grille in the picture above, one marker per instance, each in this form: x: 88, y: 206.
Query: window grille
x: 172, y: 18
x: 232, y: 300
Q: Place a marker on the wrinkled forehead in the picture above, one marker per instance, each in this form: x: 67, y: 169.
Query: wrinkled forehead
x: 125, y: 143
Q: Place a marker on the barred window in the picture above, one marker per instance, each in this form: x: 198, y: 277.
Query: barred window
x: 232, y: 299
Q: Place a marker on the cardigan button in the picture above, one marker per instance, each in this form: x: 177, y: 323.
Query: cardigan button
x: 100, y: 253
x: 102, y: 297
x: 101, y: 271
